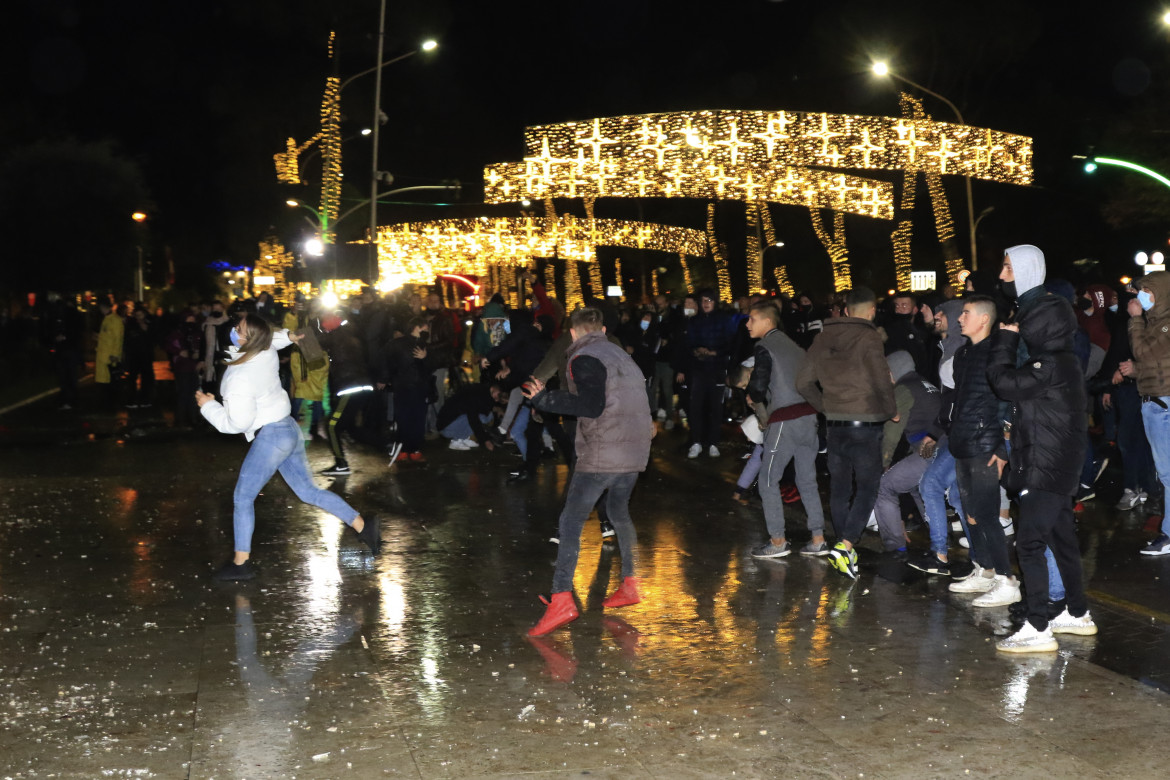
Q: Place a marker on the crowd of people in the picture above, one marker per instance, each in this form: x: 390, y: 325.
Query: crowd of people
x: 975, y: 400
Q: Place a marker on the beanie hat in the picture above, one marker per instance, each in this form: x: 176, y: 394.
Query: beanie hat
x: 1027, y: 266
x: 900, y: 363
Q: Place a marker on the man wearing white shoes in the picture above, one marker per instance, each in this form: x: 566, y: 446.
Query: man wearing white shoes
x: 1048, y: 445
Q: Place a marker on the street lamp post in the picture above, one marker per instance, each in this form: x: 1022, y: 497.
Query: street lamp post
x: 883, y: 69
x: 139, y: 282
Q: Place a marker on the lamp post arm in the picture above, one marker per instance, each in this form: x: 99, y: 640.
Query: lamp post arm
x: 428, y: 187
x: 368, y: 71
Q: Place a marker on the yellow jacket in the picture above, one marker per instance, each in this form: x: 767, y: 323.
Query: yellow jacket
x: 109, y: 347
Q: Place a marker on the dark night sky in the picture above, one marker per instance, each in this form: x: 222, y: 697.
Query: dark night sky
x: 202, y: 95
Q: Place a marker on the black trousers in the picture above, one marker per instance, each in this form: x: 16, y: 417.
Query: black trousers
x: 979, y: 491
x: 855, y: 455
x: 1046, y: 520
x: 706, y: 412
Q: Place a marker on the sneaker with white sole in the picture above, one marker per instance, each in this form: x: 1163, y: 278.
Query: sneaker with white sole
x: 458, y: 444
x: 957, y: 526
x: 872, y: 524
x: 771, y: 550
x: 981, y: 582
x: 695, y: 451
x: 815, y: 549
x: 1064, y: 623
x: 713, y: 451
x: 975, y: 571
x: 1004, y: 591
x: 1160, y: 546
x: 844, y: 560
x: 1029, y: 640
x: 1129, y: 499
x: 661, y: 414
x: 471, y: 443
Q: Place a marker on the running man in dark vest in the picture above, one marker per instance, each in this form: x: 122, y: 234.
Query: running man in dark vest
x: 607, y: 393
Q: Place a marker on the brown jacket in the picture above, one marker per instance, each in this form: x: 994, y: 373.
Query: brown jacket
x: 1149, y: 336
x: 845, y: 375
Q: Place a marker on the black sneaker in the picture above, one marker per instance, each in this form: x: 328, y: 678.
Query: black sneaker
x: 336, y: 470
x: 371, y: 534
x: 230, y: 572
x: 1086, y: 493
x: 930, y: 563
x: 607, y: 531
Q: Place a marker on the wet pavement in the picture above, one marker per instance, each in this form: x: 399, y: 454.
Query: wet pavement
x: 120, y: 658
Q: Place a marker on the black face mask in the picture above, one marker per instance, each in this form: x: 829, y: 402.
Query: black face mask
x: 903, y: 317
x: 423, y: 335
x: 1009, y: 289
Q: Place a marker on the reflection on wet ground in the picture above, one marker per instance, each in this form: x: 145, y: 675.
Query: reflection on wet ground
x: 118, y: 656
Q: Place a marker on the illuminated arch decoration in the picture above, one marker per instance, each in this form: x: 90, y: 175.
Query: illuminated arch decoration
x: 786, y: 157
x: 752, y: 155
x: 417, y: 252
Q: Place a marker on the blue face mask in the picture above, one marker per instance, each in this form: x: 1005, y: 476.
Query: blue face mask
x: 1113, y: 308
x: 645, y: 324
x: 1145, y: 300
x: 235, y: 337
x: 507, y: 326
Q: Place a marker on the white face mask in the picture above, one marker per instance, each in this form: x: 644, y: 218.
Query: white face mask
x: 689, y: 312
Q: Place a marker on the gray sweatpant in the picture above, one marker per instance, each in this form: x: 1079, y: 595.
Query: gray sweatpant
x: 902, y: 477
x: 785, y: 441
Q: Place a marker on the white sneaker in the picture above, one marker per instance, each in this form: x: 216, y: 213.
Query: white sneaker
x: 471, y: 443
x: 661, y: 414
x: 1009, y: 527
x: 964, y: 542
x: 1004, y: 591
x: 713, y: 451
x: 1029, y: 640
x: 1064, y: 623
x: 872, y: 524
x: 458, y: 444
x: 978, y: 583
x: 976, y: 571
x: 957, y: 526
x: 695, y: 451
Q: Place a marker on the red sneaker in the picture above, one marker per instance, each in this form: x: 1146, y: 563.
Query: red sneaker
x: 561, y: 611
x: 418, y: 457
x: 625, y: 595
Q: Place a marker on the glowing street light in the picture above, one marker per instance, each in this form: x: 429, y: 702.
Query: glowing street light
x: 430, y: 45
x: 315, y: 247
x: 138, y: 216
x: 1141, y: 258
x: 881, y: 69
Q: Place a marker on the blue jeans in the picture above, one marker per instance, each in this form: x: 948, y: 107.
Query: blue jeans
x: 936, y: 481
x: 1157, y: 422
x: 519, y: 426
x: 585, y: 488
x: 278, y: 448
x: 460, y: 428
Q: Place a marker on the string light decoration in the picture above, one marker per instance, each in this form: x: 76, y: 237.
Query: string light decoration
x: 834, y: 244
x: 754, y: 247
x: 687, y: 281
x: 654, y: 283
x: 618, y: 276
x: 721, y: 273
x: 903, y: 258
x: 751, y: 155
x: 274, y: 261
x: 573, y: 297
x: 416, y: 252
x: 288, y: 162
x: 782, y: 282
x: 550, y: 278
x: 330, y: 154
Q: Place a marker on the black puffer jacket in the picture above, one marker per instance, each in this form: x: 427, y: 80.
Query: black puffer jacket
x: 1048, y: 390
x: 977, y: 415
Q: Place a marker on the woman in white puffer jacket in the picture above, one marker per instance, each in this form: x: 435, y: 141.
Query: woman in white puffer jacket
x: 254, y: 404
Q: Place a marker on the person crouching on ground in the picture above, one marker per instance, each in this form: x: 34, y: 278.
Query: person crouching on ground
x: 254, y: 404
x: 607, y: 393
